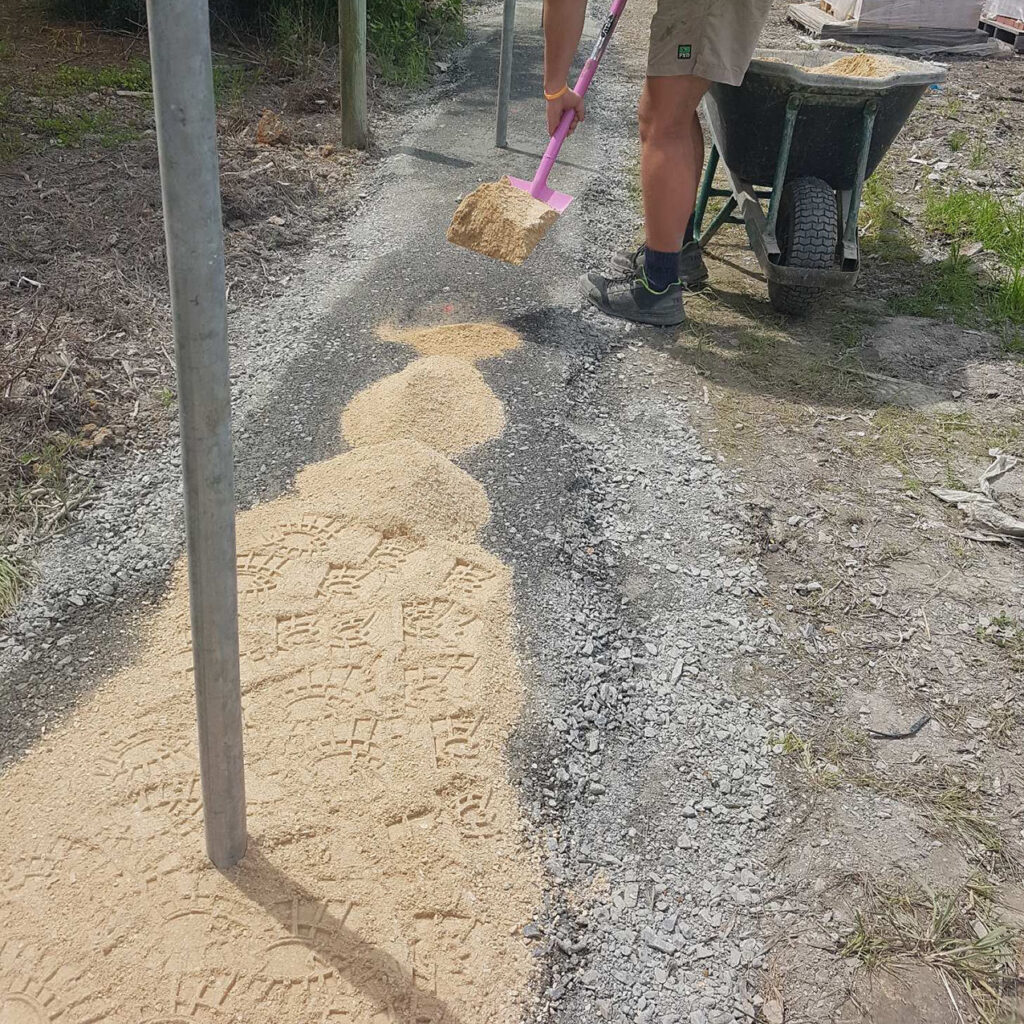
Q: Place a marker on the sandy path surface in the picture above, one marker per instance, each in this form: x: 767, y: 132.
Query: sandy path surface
x: 385, y: 878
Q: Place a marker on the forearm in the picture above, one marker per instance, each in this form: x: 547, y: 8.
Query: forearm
x: 563, y: 26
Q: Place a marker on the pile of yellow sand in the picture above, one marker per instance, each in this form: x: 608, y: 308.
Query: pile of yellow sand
x: 467, y: 341
x: 501, y: 221
x: 860, y: 65
x: 439, y: 400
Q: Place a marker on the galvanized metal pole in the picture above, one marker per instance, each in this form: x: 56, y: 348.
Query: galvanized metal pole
x: 508, y: 31
x: 352, y: 69
x: 179, y: 40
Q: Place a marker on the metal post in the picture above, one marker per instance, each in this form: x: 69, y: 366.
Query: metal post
x: 179, y: 39
x: 508, y: 31
x: 352, y: 68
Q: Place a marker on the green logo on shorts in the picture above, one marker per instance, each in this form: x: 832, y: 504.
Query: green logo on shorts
x: 685, y: 52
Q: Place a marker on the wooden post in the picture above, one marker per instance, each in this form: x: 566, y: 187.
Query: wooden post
x: 352, y: 68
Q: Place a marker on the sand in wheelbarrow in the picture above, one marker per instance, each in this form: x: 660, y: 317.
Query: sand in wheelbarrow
x: 860, y: 65
x: 501, y: 221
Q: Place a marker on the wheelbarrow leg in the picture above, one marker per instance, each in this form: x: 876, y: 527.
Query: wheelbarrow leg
x: 704, y: 192
x: 850, y: 246
x: 782, y: 165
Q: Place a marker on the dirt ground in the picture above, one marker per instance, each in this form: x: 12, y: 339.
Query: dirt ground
x: 908, y: 851
x: 85, y: 347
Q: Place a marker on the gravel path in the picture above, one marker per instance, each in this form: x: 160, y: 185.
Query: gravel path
x: 645, y: 775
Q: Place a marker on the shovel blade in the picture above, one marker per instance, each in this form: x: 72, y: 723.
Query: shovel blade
x: 558, y: 201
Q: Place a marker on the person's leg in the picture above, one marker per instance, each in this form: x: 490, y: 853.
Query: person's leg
x: 672, y: 152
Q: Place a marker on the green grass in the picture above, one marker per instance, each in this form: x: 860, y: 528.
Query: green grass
x: 402, y: 34
x: 958, y: 139
x: 884, y: 234
x: 75, y: 80
x: 71, y: 130
x: 950, y: 290
x: 968, y: 215
x: 12, y: 142
x: 979, y: 153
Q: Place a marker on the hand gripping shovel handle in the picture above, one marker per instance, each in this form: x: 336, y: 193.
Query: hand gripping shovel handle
x: 538, y: 187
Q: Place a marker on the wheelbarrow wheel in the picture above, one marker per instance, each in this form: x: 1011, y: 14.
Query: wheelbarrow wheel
x: 808, y: 234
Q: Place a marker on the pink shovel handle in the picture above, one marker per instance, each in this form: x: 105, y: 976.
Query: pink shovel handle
x: 540, y: 179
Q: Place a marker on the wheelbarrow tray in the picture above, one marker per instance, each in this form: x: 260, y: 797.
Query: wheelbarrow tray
x: 787, y: 130
x: 748, y: 120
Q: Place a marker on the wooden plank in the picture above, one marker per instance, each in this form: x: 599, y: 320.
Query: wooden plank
x: 352, y: 69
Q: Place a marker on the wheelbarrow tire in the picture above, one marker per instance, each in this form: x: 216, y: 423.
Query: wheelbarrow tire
x: 808, y: 234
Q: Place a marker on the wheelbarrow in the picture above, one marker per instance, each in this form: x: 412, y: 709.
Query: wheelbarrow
x: 805, y: 143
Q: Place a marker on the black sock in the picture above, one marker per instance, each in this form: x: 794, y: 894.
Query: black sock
x: 688, y: 237
x: 660, y: 268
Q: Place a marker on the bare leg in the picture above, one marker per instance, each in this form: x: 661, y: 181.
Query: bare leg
x: 671, y: 157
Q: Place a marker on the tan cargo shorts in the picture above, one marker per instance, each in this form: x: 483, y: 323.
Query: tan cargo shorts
x: 714, y: 39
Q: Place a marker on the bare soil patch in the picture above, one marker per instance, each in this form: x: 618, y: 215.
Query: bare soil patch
x: 85, y: 349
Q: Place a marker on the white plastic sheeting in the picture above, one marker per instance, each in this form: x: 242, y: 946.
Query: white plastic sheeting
x: 909, y: 14
x: 1006, y: 8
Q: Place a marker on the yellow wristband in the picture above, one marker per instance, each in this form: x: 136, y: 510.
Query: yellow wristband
x: 549, y: 96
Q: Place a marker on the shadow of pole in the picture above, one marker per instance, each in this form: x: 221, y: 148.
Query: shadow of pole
x: 387, y: 984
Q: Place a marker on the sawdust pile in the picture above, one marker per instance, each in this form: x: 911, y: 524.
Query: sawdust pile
x: 467, y: 341
x: 501, y: 221
x: 386, y: 879
x: 440, y: 400
x: 860, y: 65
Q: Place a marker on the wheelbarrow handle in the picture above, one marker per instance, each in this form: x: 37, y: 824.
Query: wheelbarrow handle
x: 540, y: 179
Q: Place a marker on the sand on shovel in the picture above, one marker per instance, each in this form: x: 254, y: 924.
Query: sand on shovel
x: 501, y: 221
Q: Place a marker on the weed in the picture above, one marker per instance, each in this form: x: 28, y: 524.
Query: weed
x: 231, y: 83
x: 73, y: 79
x: 1013, y: 343
x: 1006, y: 633
x: 955, y: 807
x: 72, y: 129
x: 851, y: 329
x: 166, y: 397
x: 904, y: 437
x: 401, y: 34
x: 6, y: 49
x: 953, y: 107
x: 978, y: 154
x: 958, y: 139
x: 957, y: 933
x: 298, y: 32
x: 12, y: 580
x: 950, y: 290
x: 12, y: 143
x: 883, y: 233
x: 968, y: 214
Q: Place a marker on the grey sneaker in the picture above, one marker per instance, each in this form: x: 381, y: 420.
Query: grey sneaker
x: 629, y: 297
x: 693, y: 272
